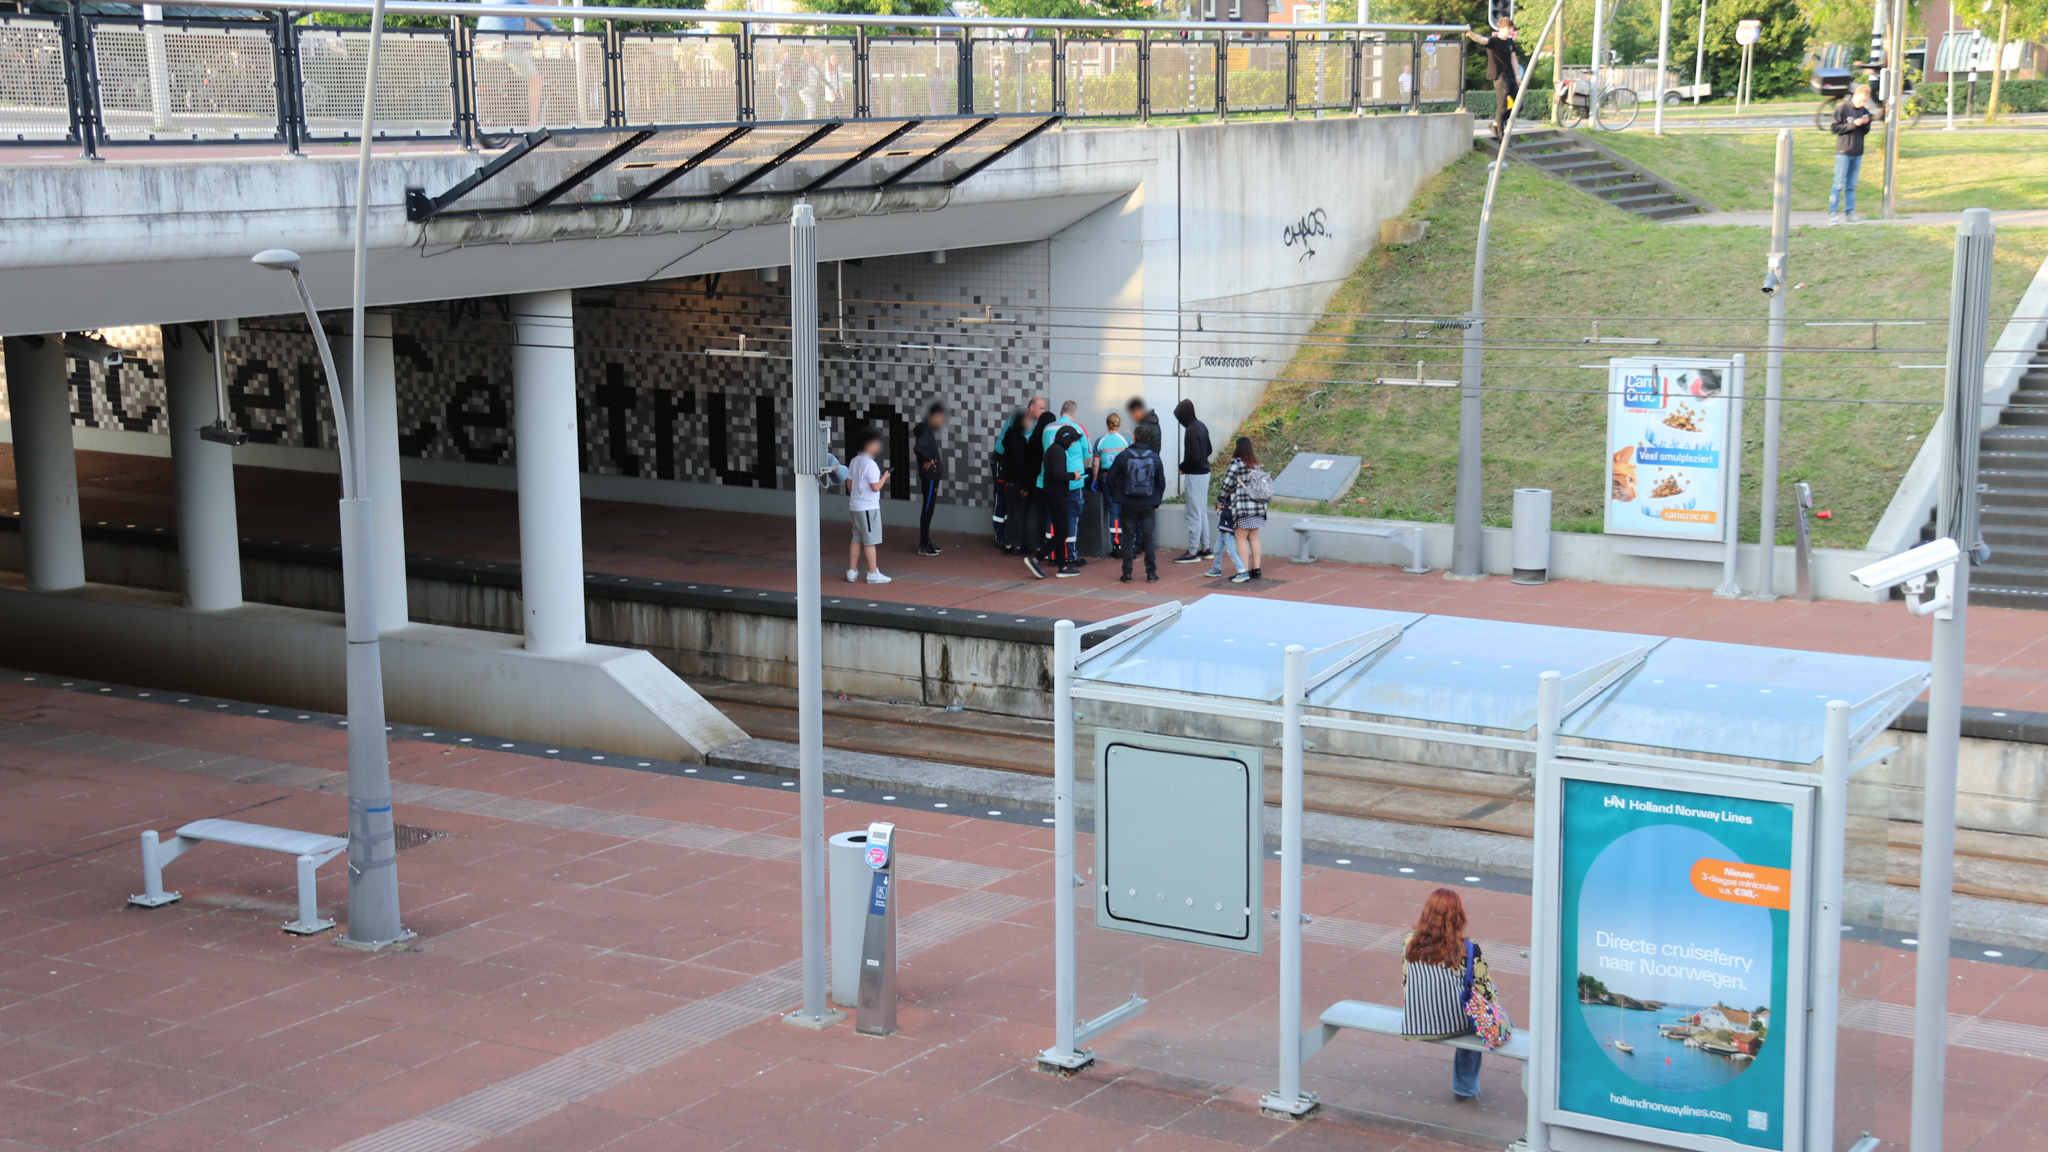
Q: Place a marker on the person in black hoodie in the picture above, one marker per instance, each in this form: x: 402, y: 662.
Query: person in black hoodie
x: 1853, y: 118
x: 1020, y: 475
x: 931, y: 472
x: 1195, y: 451
x: 1056, y: 481
x: 1137, y: 482
x: 1030, y: 457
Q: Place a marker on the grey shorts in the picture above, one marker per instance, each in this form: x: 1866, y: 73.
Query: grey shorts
x: 867, y: 525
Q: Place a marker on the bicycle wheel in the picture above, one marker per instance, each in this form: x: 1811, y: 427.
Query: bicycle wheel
x: 1570, y: 115
x: 1617, y: 109
x: 1824, y: 116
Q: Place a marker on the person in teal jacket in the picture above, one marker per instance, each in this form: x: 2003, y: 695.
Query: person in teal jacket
x: 1107, y: 450
x: 1064, y: 508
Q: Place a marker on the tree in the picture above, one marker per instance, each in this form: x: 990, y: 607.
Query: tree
x: 1779, y: 65
x: 878, y: 8
x: 1132, y: 10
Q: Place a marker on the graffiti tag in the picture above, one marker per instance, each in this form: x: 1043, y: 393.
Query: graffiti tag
x: 1302, y: 232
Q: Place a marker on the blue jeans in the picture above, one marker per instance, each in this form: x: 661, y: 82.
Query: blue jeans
x: 1465, y: 1072
x: 1070, y: 527
x: 1842, y: 197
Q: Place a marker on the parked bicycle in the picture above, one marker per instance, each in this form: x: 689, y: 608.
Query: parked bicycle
x: 1611, y: 110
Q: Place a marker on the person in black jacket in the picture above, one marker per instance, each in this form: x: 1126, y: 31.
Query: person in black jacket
x: 1020, y: 475
x: 1054, y: 485
x: 931, y: 472
x: 1137, y: 482
x: 1502, y: 67
x: 1030, y: 497
x: 1194, y: 484
x: 1852, y: 123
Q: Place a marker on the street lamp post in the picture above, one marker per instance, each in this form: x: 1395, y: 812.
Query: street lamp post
x: 372, y: 854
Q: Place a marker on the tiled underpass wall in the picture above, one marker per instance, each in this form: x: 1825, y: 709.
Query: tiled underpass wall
x: 656, y: 400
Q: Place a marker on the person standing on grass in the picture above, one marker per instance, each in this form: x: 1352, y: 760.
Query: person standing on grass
x: 1112, y: 444
x: 864, y: 480
x: 1438, y: 964
x: 1246, y: 510
x: 931, y: 472
x: 1852, y: 124
x: 1502, y: 67
x: 1137, y: 482
x: 1195, y: 451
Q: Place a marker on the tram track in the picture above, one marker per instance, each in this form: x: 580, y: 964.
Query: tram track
x: 1998, y: 866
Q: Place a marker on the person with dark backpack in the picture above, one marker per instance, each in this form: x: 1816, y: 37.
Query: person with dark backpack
x: 1137, y: 482
x: 1061, y: 472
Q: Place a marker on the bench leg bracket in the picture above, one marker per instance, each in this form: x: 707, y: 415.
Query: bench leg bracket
x: 1275, y: 1107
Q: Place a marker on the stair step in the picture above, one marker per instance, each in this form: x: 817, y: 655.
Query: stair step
x: 1635, y: 187
x: 1575, y: 172
x: 2012, y: 480
x: 1566, y: 157
x: 2025, y: 417
x: 2011, y: 579
x: 1669, y: 211
x: 1995, y: 597
x: 1636, y: 203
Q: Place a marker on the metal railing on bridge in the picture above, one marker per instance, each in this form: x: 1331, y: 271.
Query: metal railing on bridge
x: 261, y: 73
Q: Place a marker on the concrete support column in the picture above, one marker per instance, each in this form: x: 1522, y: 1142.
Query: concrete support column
x: 209, y: 538
x: 379, y: 425
x: 544, y: 445
x: 45, y: 469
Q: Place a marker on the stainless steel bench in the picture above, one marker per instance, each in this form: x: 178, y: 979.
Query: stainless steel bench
x: 1385, y: 1019
x: 1308, y: 528
x: 311, y: 848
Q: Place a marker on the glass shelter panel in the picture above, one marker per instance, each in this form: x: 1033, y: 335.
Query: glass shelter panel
x: 1232, y: 646
x: 186, y: 81
x: 1102, y: 78
x: 680, y: 79
x: 1013, y: 76
x: 34, y: 103
x: 803, y: 77
x: 913, y: 77
x: 415, y: 96
x: 528, y: 79
x: 1182, y: 78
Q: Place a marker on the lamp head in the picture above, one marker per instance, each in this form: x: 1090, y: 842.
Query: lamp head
x: 277, y: 259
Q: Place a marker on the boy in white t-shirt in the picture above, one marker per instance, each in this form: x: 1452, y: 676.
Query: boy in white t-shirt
x: 864, y: 480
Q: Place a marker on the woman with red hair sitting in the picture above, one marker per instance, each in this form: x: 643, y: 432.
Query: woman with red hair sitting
x: 1439, y: 966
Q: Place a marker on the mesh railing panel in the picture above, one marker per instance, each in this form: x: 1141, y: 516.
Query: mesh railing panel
x: 1102, y: 78
x: 1256, y: 79
x: 913, y: 77
x: 1322, y: 74
x: 1443, y: 72
x: 33, y: 102
x: 1385, y: 73
x: 525, y: 80
x: 414, y: 97
x: 681, y: 79
x: 1183, y: 77
x: 186, y: 82
x: 802, y: 77
x: 1013, y: 75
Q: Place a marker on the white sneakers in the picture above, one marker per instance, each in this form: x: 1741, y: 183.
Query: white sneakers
x: 877, y: 578
x: 853, y: 577
x: 1834, y: 218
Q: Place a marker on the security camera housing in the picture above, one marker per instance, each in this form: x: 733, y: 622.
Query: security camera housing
x: 1911, y: 569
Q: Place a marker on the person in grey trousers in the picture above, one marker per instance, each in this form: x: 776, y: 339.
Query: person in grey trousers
x: 1195, y: 451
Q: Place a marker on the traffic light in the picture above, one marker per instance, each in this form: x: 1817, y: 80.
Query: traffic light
x: 1499, y: 10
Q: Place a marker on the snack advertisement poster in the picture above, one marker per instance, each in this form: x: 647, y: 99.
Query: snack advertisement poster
x: 1667, y: 439
x: 1681, y: 971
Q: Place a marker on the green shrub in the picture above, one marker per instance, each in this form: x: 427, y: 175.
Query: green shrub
x: 2013, y: 96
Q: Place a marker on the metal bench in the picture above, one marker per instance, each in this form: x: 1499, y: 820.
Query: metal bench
x: 1308, y: 528
x: 1385, y: 1019
x: 311, y: 848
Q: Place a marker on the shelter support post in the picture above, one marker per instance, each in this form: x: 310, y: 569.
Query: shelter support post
x: 1829, y: 863
x: 378, y: 425
x: 209, y: 538
x: 1063, y: 1057
x: 1731, y: 499
x: 1289, y: 1102
x: 45, y: 467
x: 1538, y: 1070
x: 550, y: 501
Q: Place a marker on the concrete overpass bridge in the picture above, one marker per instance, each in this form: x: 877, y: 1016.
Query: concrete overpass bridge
x: 588, y: 221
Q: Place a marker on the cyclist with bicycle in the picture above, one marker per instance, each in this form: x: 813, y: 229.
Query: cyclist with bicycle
x: 1852, y: 124
x: 1502, y: 67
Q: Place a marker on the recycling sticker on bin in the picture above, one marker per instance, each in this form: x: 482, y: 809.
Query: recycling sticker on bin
x: 879, y: 835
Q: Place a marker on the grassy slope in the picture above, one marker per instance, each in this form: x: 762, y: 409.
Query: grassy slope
x: 1558, y: 253
x: 1938, y: 171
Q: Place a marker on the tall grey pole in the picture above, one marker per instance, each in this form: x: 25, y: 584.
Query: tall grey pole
x: 1599, y: 27
x: 1948, y: 77
x: 1774, y: 367
x: 1731, y: 500
x: 1968, y: 323
x: 1541, y: 1071
x: 1467, y: 559
x: 1699, y: 57
x: 1063, y: 1056
x: 1895, y: 96
x: 1289, y: 1099
x: 1829, y: 857
x: 1663, y: 62
x: 807, y: 443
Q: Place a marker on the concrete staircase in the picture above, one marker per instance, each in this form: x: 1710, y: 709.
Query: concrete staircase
x: 2013, y: 467
x: 1592, y: 169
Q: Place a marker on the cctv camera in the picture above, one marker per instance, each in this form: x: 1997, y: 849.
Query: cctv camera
x: 220, y: 432
x: 79, y: 346
x: 1772, y: 283
x: 1913, y: 564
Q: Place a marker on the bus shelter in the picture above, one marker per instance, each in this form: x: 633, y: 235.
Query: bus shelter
x: 1703, y: 814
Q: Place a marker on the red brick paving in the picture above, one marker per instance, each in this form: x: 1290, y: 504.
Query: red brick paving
x: 201, y: 1026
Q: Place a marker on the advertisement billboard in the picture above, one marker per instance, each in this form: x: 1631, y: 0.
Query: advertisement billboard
x: 1682, y: 941
x: 1667, y: 448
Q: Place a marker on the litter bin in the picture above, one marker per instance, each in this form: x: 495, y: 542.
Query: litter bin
x: 1529, y: 546
x: 849, y: 879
